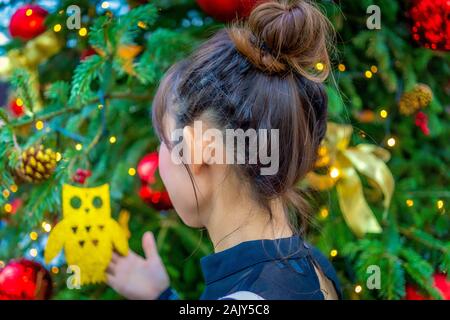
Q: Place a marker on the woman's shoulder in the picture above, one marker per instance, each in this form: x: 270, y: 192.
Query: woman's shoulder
x: 282, y: 269
x: 287, y: 279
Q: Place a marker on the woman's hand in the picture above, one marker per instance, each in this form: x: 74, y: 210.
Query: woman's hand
x: 137, y: 278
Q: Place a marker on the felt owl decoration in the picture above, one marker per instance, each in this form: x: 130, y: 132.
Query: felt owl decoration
x: 87, y: 233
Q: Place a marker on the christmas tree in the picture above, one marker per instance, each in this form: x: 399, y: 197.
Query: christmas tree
x: 77, y: 81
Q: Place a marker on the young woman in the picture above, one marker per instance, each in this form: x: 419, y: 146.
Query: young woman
x: 258, y: 75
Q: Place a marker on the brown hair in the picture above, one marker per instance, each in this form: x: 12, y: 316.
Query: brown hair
x: 260, y: 75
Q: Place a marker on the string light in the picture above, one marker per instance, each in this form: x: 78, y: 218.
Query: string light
x: 132, y: 172
x: 19, y: 102
x: 14, y: 188
x: 6, y: 193
x: 320, y: 66
x: 409, y: 203
x: 46, y: 226
x: 334, y: 172
x: 78, y: 146
x: 341, y: 67
x: 358, y: 289
x: 368, y: 74
x: 33, y: 235
x: 100, y: 107
x: 383, y: 114
x: 39, y: 125
x: 8, y: 208
x: 82, y: 32
x: 142, y: 25
x: 391, y: 142
x: 57, y: 27
x: 29, y: 12
x: 55, y: 269
x: 112, y: 139
x: 374, y: 69
x: 333, y: 253
x: 440, y: 204
x: 324, y: 213
x: 33, y: 252
x: 105, y: 5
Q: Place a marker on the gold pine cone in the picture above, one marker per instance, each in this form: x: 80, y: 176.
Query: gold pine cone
x: 418, y: 98
x: 37, y: 164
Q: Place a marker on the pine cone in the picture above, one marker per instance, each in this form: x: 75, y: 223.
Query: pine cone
x: 37, y: 164
x: 416, y: 99
x: 423, y: 94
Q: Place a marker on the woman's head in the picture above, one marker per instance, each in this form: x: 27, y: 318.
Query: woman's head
x: 255, y: 75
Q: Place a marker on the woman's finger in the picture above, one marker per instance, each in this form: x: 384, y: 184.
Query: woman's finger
x: 149, y: 245
x: 111, y: 270
x: 111, y: 280
x: 115, y: 257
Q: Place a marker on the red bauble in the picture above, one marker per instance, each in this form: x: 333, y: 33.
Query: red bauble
x: 228, y: 10
x: 430, y: 23
x: 247, y: 7
x: 28, y: 22
x: 146, y: 170
x: 17, y: 108
x: 159, y: 200
x: 25, y: 280
x: 147, y: 167
x: 440, y: 283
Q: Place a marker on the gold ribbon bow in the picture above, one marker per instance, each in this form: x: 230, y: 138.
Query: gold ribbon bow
x: 35, y: 52
x: 345, y: 162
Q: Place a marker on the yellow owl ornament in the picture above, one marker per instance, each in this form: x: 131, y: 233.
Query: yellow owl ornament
x: 87, y: 233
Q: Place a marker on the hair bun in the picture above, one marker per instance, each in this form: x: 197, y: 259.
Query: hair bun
x: 282, y: 35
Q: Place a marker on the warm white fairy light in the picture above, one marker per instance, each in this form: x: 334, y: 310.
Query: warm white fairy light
x: 33, y: 252
x: 46, y: 226
x: 334, y: 172
x: 391, y: 142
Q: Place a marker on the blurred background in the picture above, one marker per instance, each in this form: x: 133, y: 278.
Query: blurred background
x: 76, y: 86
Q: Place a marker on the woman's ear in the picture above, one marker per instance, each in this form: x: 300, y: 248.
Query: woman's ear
x: 193, y: 149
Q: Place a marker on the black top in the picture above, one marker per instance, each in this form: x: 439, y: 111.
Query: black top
x: 271, y: 269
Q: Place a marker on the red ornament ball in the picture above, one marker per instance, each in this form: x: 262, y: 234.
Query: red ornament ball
x: 158, y: 200
x: 228, y: 10
x: 25, y: 280
x: 147, y: 167
x: 16, y: 107
x: 28, y: 22
x: 440, y: 282
x: 431, y: 23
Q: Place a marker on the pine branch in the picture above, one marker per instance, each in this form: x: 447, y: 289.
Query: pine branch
x: 424, y: 239
x: 419, y: 270
x: 164, y: 47
x: 24, y: 86
x: 48, y: 116
x: 98, y: 33
x: 58, y: 92
x: 128, y: 25
x: 85, y: 73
